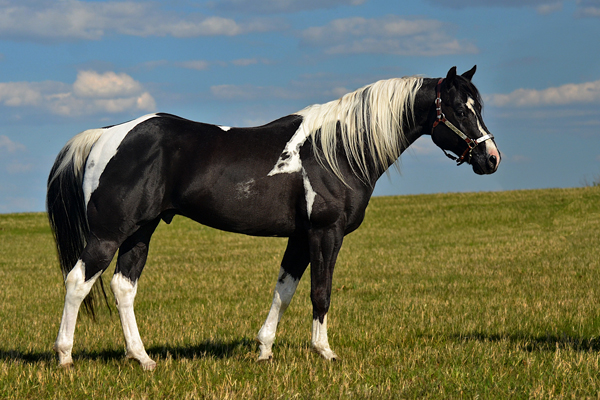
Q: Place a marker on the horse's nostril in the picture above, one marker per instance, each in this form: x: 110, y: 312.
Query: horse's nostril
x: 493, y: 161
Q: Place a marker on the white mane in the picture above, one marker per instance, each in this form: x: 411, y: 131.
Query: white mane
x: 370, y: 123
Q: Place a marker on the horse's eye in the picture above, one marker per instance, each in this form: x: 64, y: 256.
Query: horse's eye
x: 462, y: 114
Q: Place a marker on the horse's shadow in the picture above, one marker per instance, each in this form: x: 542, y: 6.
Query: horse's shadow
x: 540, y: 343
x: 207, y: 349
x: 220, y: 349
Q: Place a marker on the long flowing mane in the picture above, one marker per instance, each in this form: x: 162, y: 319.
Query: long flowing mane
x: 367, y: 124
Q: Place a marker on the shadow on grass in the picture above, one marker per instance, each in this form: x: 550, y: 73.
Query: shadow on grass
x: 26, y: 358
x: 530, y: 343
x: 209, y: 348
x: 50, y: 356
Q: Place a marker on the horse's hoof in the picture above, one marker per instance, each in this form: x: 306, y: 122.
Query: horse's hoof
x: 265, y: 358
x: 66, y: 366
x: 327, y: 354
x: 148, y: 365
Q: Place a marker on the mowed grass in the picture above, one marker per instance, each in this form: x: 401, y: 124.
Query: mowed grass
x: 475, y: 295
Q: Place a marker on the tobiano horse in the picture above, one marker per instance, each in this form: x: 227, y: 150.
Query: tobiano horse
x: 307, y: 176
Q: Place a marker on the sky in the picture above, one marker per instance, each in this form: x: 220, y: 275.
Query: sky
x: 70, y: 65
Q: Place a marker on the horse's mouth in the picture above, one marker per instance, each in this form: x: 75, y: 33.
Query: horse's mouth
x: 488, y: 166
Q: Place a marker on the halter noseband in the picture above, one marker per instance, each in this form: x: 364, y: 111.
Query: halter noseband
x: 441, y: 118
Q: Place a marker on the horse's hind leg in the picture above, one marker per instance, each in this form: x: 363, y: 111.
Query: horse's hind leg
x: 130, y: 263
x: 295, y: 261
x: 94, y: 260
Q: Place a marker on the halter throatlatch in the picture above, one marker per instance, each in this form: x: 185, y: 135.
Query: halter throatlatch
x: 441, y: 119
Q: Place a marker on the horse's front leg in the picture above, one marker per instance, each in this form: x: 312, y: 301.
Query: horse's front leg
x: 325, y: 245
x: 295, y: 261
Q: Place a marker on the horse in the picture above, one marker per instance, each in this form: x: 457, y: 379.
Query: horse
x: 307, y: 176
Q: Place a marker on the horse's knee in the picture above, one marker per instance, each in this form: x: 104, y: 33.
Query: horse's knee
x: 320, y: 302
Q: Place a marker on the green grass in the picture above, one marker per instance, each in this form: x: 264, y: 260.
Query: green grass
x: 487, y: 295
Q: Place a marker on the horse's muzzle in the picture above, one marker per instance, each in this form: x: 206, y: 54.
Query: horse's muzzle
x: 485, y: 165
x: 488, y: 162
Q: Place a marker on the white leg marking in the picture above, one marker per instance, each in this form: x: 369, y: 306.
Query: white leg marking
x: 289, y: 160
x: 309, y: 193
x: 225, y: 128
x: 103, y: 151
x: 319, y: 342
x: 125, y: 292
x: 284, y: 291
x: 77, y: 289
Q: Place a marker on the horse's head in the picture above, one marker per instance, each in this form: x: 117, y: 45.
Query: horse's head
x: 459, y: 126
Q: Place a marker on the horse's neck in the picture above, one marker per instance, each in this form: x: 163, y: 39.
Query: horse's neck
x: 424, y: 111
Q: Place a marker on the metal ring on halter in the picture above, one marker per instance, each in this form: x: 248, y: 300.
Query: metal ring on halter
x: 441, y: 119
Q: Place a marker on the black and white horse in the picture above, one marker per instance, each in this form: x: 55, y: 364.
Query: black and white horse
x: 307, y: 176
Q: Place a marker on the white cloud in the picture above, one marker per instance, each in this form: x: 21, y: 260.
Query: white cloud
x: 520, y: 159
x: 561, y: 95
x: 585, y: 8
x: 387, y: 35
x: 549, y: 8
x: 310, y: 88
x: 9, y: 146
x: 91, y: 93
x: 588, y: 8
x: 198, y: 65
x: 110, y: 84
x: 244, y: 62
x: 281, y: 6
x: 79, y: 20
x: 252, y: 92
x: 203, y: 65
x: 19, y: 168
x: 492, y: 3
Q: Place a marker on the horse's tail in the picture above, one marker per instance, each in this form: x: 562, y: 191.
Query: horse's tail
x: 66, y: 206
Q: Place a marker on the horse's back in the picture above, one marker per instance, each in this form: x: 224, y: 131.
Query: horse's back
x: 218, y: 176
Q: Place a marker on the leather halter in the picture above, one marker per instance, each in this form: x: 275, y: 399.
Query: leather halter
x: 441, y: 119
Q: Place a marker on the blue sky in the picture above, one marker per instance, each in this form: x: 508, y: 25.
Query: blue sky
x: 67, y: 66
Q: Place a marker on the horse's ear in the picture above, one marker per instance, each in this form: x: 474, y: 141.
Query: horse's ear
x: 451, y: 75
x: 469, y: 74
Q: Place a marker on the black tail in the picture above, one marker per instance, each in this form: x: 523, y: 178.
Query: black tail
x: 66, y: 207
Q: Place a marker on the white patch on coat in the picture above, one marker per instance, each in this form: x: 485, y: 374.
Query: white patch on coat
x: 244, y: 189
x: 125, y: 291
x: 103, y: 151
x: 289, y: 160
x: 309, y: 193
x: 225, y: 128
x: 282, y: 296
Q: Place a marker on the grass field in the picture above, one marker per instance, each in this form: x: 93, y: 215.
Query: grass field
x: 475, y: 295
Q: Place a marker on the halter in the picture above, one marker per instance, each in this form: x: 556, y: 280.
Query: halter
x: 441, y: 118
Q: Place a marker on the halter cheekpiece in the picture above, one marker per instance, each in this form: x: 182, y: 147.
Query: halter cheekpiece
x: 441, y: 118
